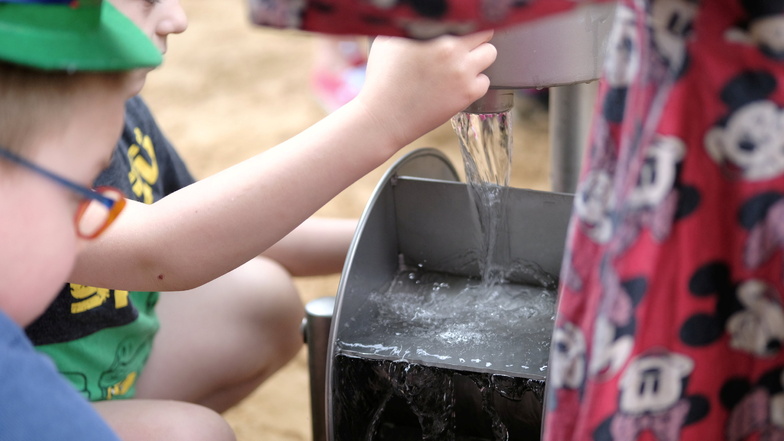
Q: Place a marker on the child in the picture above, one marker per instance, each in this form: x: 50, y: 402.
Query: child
x: 196, y: 234
x: 57, y: 125
x: 254, y: 306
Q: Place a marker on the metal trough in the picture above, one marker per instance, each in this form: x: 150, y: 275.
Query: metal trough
x: 391, y: 383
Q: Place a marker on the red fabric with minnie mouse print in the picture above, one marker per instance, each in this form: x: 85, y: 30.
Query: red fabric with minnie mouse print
x: 676, y: 285
x: 670, y: 321
x: 410, y: 18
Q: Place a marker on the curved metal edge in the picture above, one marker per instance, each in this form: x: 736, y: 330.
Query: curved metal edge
x: 412, y: 164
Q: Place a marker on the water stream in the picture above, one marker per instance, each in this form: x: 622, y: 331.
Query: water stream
x: 486, y: 148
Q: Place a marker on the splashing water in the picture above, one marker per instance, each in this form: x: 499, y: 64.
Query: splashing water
x: 486, y: 147
x: 451, y: 321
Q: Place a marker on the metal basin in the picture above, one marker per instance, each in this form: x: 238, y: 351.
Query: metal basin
x: 387, y: 382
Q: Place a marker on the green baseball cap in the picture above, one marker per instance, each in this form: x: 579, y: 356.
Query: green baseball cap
x: 72, y: 35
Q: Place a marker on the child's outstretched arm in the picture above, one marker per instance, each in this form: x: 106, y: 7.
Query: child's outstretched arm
x: 209, y: 228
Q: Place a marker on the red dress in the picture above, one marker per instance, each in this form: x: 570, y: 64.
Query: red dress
x: 670, y: 320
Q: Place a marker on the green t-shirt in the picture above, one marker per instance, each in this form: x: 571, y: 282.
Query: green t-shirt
x: 105, y: 365
x: 101, y: 338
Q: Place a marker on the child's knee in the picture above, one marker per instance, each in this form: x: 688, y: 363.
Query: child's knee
x: 198, y: 423
x: 274, y: 286
x: 164, y: 420
x: 273, y: 300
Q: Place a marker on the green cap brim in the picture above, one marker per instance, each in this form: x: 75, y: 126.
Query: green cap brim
x: 61, y: 37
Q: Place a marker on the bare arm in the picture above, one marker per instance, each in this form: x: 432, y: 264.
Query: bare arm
x: 317, y: 247
x: 209, y: 228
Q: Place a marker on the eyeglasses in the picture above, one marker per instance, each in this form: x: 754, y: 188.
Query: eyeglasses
x: 96, y: 212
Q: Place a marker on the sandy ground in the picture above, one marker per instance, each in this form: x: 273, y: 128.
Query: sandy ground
x: 229, y: 90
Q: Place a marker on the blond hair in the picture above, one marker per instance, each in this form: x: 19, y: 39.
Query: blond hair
x: 34, y: 103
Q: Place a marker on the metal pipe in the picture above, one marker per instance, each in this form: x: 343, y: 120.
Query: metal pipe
x: 571, y: 108
x: 494, y: 101
x: 316, y: 325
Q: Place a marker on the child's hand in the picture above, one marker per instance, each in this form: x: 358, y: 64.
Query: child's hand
x: 413, y: 87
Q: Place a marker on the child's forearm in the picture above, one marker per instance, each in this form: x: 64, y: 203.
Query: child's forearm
x: 212, y: 226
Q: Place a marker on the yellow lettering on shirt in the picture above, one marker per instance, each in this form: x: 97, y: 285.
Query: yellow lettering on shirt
x: 143, y: 174
x: 90, y: 297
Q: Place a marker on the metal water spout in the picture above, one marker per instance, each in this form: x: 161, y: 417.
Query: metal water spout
x: 563, y: 52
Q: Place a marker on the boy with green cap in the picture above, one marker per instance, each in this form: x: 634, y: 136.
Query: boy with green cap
x: 200, y: 360
x: 62, y: 90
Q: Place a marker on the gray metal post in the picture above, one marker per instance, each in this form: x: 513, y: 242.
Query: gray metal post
x: 571, y: 108
x: 318, y: 319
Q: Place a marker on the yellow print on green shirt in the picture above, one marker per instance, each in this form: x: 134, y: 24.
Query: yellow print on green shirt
x: 143, y: 174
